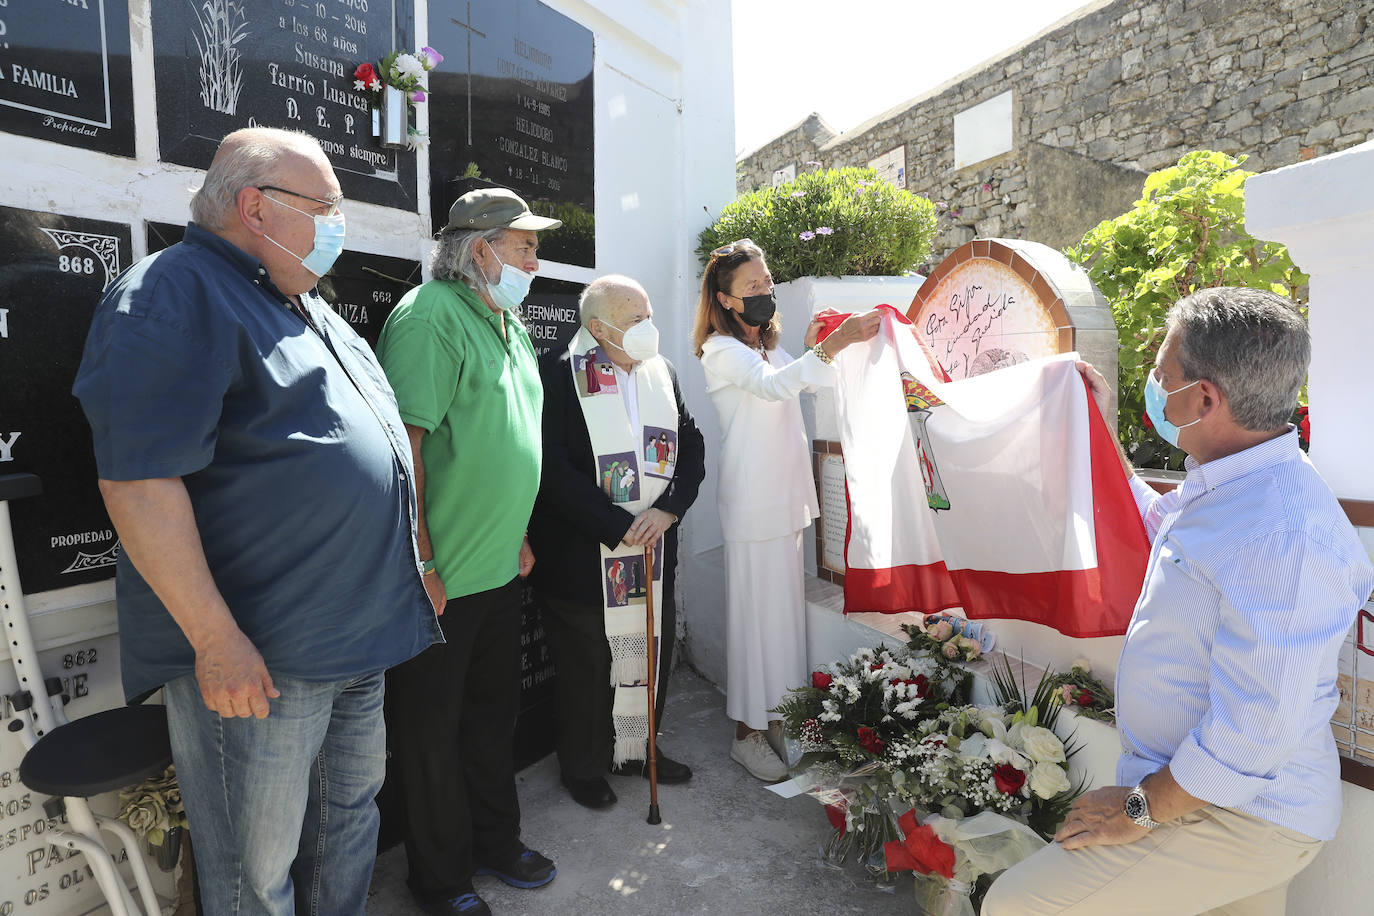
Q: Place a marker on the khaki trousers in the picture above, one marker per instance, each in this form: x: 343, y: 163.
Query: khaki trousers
x: 1215, y: 861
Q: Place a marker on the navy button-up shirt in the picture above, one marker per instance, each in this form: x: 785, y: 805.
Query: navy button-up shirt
x: 288, y: 439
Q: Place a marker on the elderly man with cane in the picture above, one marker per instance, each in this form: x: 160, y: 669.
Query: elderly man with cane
x: 584, y: 536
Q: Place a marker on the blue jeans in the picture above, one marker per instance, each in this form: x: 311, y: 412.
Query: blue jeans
x: 282, y: 809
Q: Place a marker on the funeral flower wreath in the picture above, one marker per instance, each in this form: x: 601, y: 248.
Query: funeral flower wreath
x: 916, y: 777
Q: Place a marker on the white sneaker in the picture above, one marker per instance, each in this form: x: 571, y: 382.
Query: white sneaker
x: 754, y: 754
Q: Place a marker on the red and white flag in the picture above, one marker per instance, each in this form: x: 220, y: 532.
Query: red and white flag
x: 1000, y: 494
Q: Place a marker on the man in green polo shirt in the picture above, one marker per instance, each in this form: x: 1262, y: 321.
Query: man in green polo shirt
x: 467, y: 384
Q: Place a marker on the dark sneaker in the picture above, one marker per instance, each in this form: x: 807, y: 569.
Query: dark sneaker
x: 528, y: 869
x: 670, y: 772
x: 465, y: 904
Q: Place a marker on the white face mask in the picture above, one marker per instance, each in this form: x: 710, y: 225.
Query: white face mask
x: 639, y: 342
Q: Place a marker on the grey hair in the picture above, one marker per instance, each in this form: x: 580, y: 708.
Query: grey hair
x: 246, y: 159
x: 454, y: 259
x: 598, y: 296
x: 1250, y: 343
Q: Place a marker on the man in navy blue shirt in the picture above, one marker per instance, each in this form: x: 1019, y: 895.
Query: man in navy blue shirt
x: 254, y: 464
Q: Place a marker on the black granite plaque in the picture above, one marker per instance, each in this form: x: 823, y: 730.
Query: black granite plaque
x: 52, y: 271
x: 222, y: 65
x: 361, y: 287
x: 163, y: 235
x: 65, y: 74
x: 364, y: 288
x: 550, y: 313
x: 512, y: 101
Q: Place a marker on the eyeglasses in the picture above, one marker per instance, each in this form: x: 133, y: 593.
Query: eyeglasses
x: 724, y: 250
x: 333, y: 205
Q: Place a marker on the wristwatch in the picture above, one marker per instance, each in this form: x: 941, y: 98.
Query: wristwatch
x: 1138, y: 808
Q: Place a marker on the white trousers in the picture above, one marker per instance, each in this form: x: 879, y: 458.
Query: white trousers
x: 765, y: 646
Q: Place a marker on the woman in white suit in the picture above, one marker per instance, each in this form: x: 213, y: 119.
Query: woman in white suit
x: 765, y: 492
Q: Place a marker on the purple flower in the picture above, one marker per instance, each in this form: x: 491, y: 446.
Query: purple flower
x: 940, y: 205
x: 956, y: 211
x: 798, y: 193
x: 987, y: 186
x: 429, y: 57
x: 824, y: 230
x: 813, y: 162
x: 416, y: 96
x: 807, y: 236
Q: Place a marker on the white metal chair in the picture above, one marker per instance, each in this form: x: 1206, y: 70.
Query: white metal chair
x: 89, y: 756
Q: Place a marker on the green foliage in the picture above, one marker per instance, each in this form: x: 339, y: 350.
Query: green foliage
x: 575, y: 240
x: 1185, y: 233
x: 836, y: 222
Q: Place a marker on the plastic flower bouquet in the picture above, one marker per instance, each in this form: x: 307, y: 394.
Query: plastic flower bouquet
x: 153, y: 807
x: 404, y: 72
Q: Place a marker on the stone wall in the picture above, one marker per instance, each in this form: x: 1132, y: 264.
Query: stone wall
x: 795, y: 146
x: 1122, y: 89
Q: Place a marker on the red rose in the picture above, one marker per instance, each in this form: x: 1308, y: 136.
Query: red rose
x: 922, y: 684
x: 365, y: 73
x: 821, y: 681
x: 869, y: 740
x: 1304, y: 425
x: 1084, y: 698
x: 1008, y: 778
x: 876, y: 666
x: 920, y: 850
x: 1145, y: 418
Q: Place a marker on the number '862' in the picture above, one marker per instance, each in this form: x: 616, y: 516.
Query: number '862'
x: 79, y: 658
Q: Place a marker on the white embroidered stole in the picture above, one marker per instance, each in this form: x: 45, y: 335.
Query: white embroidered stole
x: 634, y: 467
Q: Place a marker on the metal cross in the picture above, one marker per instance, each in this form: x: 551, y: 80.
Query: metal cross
x: 471, y: 31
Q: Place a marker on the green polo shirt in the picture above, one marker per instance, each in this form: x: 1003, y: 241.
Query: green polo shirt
x: 479, y: 397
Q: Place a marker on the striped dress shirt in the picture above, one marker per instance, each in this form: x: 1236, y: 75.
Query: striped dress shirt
x: 1228, y: 669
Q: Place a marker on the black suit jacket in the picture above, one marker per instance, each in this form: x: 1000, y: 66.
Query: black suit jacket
x: 573, y: 514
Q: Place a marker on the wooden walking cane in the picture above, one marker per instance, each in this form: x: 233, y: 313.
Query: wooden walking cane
x: 654, y: 817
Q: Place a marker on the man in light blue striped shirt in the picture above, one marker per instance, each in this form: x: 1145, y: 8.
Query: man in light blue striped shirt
x: 1229, y: 779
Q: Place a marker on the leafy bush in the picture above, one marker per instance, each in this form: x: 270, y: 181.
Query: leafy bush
x: 837, y: 222
x: 1185, y: 233
x: 574, y: 242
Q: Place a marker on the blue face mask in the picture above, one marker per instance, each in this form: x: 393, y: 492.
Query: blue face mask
x: 513, y: 286
x: 329, y: 241
x: 1155, y: 399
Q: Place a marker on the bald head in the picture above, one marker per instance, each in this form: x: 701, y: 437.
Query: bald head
x: 249, y: 158
x: 611, y: 298
x: 610, y: 307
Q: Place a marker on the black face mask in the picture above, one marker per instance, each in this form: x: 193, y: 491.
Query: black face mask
x: 758, y: 310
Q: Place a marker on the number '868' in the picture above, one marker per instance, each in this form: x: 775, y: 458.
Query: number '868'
x: 76, y: 264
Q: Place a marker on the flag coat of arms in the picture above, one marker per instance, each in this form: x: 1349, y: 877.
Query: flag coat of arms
x: 1001, y: 494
